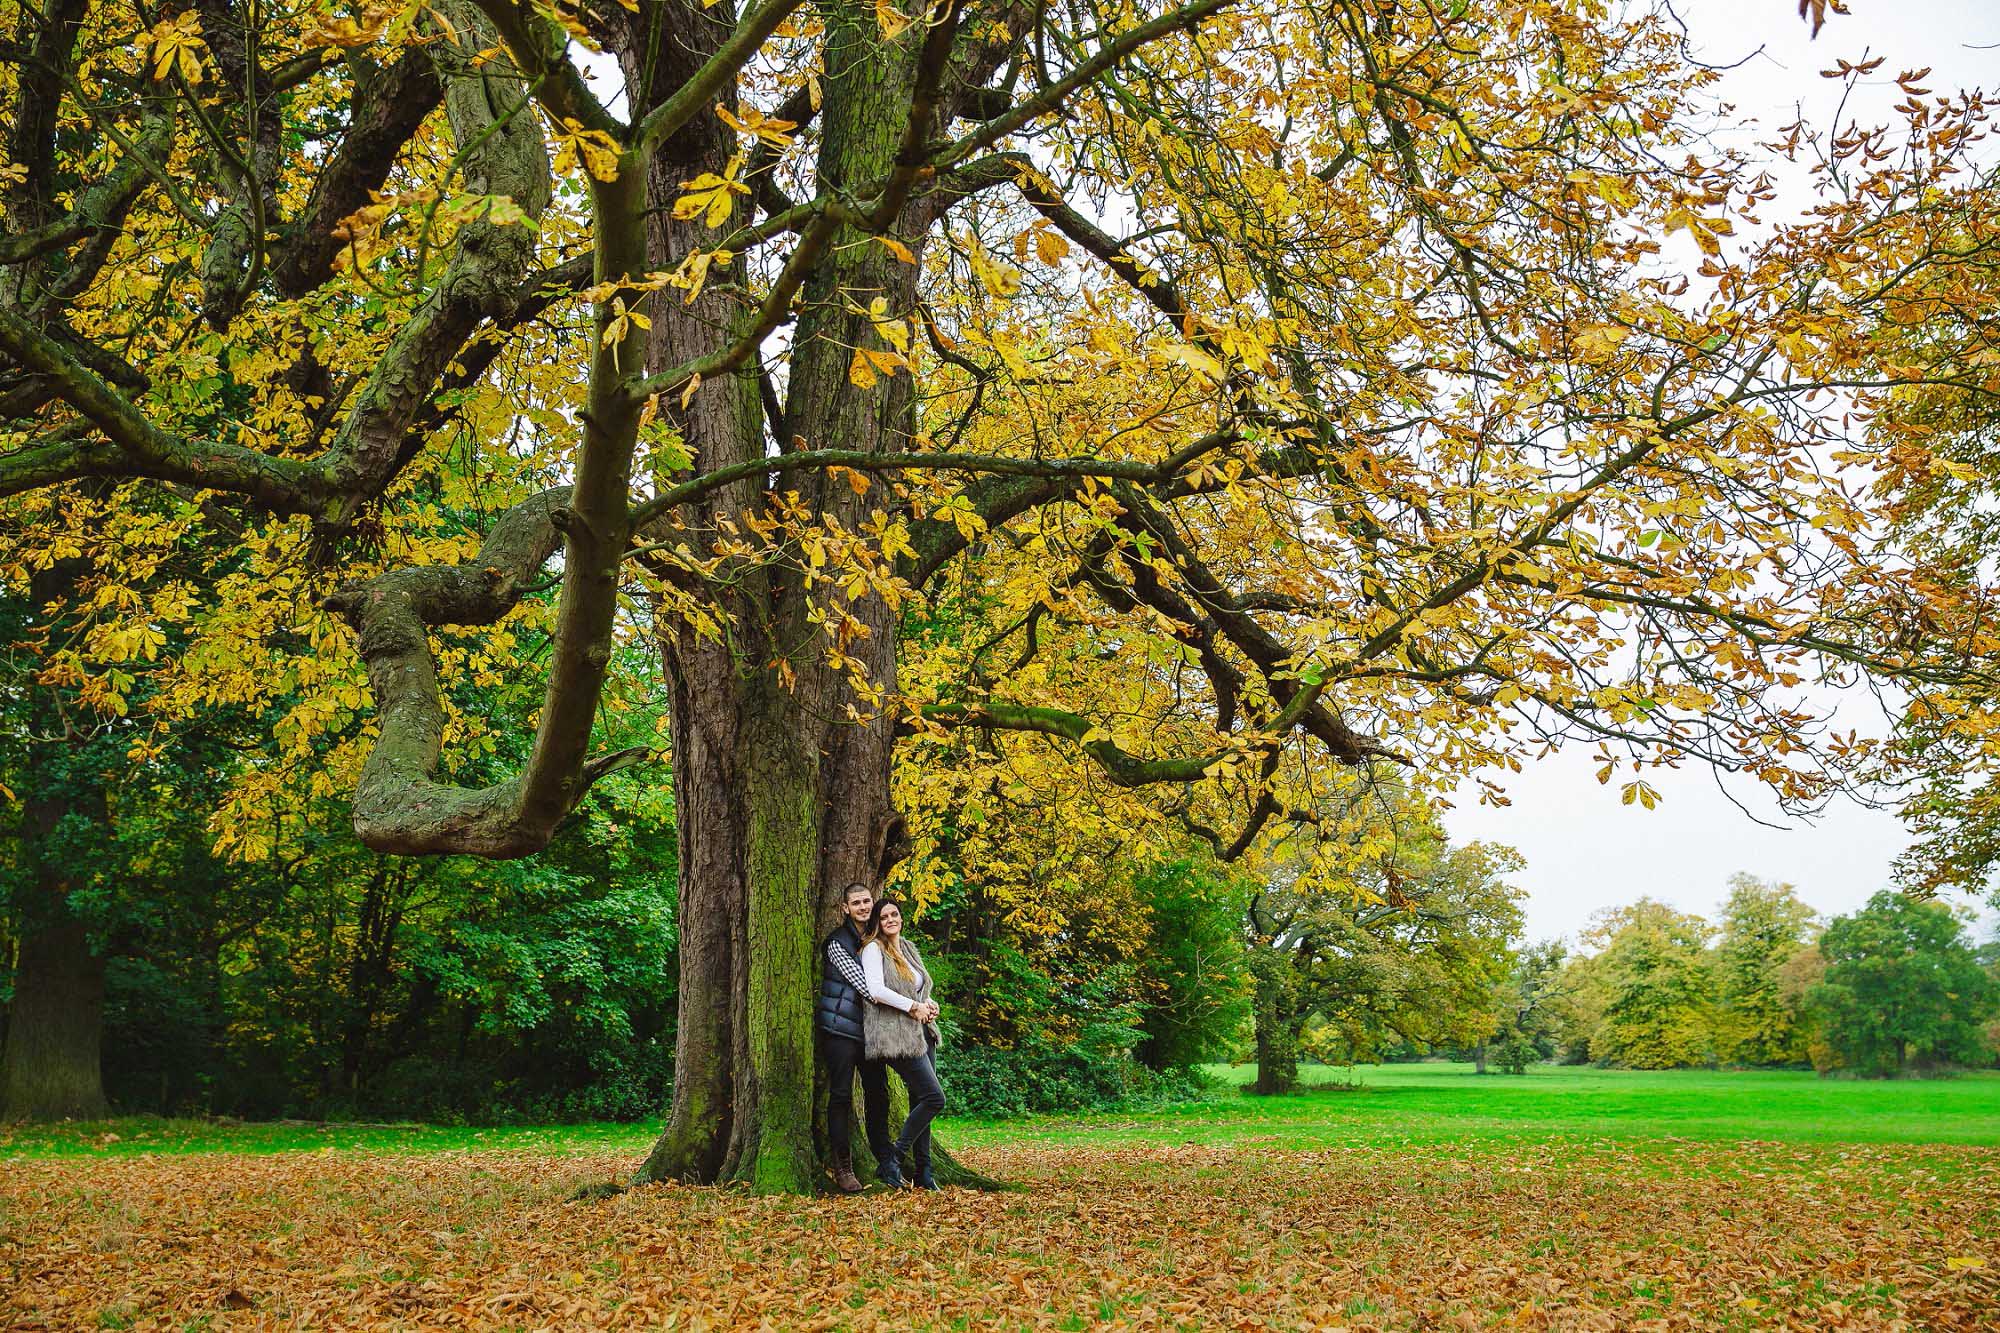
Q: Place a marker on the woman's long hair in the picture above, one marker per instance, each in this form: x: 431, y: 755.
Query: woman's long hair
x: 891, y: 949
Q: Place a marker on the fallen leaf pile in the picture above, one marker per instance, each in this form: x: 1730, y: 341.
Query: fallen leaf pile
x: 1547, y: 1236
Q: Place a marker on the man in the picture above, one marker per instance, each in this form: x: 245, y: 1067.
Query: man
x: 843, y: 991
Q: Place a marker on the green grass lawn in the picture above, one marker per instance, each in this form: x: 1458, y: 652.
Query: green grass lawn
x: 1377, y: 1106
x: 128, y: 1135
x: 1389, y: 1105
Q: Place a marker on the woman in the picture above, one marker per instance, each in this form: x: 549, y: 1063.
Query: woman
x: 899, y: 1028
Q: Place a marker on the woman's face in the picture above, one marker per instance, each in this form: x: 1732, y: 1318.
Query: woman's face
x: 891, y: 923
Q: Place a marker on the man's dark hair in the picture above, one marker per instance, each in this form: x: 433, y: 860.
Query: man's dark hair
x: 856, y: 887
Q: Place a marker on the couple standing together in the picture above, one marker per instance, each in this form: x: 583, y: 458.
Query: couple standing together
x: 876, y: 1013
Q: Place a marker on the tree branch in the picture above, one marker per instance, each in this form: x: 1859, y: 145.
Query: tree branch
x: 98, y: 208
x: 1157, y: 288
x: 387, y: 109
x: 693, y: 97
x: 287, y: 485
x: 1108, y: 56
x: 541, y: 54
x: 864, y: 461
x: 399, y: 805
x: 504, y: 154
x: 1121, y: 766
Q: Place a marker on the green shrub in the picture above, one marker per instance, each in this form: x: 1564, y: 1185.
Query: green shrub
x: 981, y: 1081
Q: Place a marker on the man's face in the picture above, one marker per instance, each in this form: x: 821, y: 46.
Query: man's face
x: 859, y: 904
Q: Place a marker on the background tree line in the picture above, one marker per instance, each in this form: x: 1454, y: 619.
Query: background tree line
x: 322, y: 979
x: 1896, y: 986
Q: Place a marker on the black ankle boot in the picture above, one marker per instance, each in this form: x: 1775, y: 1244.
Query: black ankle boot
x: 921, y: 1165
x: 888, y: 1169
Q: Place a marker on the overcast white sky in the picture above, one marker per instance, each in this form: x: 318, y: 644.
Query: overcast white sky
x: 1584, y: 850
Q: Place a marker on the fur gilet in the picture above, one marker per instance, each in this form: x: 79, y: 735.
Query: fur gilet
x: 891, y: 1034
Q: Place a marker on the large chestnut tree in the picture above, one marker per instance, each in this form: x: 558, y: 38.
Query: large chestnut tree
x: 1165, y: 408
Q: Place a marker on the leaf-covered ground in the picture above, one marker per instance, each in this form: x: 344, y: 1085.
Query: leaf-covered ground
x: 1145, y: 1236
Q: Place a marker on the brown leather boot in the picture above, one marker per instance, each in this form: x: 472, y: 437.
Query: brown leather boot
x: 844, y: 1178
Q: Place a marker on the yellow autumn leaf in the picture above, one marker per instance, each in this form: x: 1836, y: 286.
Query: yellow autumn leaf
x: 892, y: 21
x: 1704, y: 230
x: 341, y: 31
x: 897, y: 248
x: 692, y: 274
x: 623, y: 320
x: 997, y: 278
x: 710, y: 197
x: 958, y: 508
x: 859, y: 372
x: 1196, y: 360
x: 1011, y: 357
x: 597, y: 150
x: 1598, y: 342
x: 749, y: 120
x: 176, y: 45
x: 868, y: 365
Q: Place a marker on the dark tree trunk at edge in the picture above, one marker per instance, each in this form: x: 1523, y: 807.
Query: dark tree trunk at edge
x: 51, y: 1069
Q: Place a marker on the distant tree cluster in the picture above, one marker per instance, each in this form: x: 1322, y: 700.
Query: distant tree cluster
x: 1894, y: 987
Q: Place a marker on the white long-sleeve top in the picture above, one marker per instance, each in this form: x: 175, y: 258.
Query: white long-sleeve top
x: 879, y: 989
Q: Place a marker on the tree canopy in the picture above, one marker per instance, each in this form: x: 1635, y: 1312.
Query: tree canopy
x: 1902, y: 983
x: 1382, y: 416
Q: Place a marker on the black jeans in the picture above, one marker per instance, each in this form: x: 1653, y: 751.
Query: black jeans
x: 844, y: 1059
x: 919, y: 1075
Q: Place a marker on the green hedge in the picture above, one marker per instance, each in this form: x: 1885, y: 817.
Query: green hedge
x: 980, y: 1081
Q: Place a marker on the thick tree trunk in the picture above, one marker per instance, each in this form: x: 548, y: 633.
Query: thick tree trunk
x: 782, y: 793
x: 55, y: 1027
x: 1275, y: 1025
x: 52, y: 1068
x: 711, y: 1130
x: 781, y: 768
x: 777, y: 811
x: 714, y: 935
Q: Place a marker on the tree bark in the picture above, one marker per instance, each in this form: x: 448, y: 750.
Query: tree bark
x: 732, y: 804
x: 52, y: 1068
x: 781, y: 767
x: 1275, y: 1025
x: 777, y: 810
